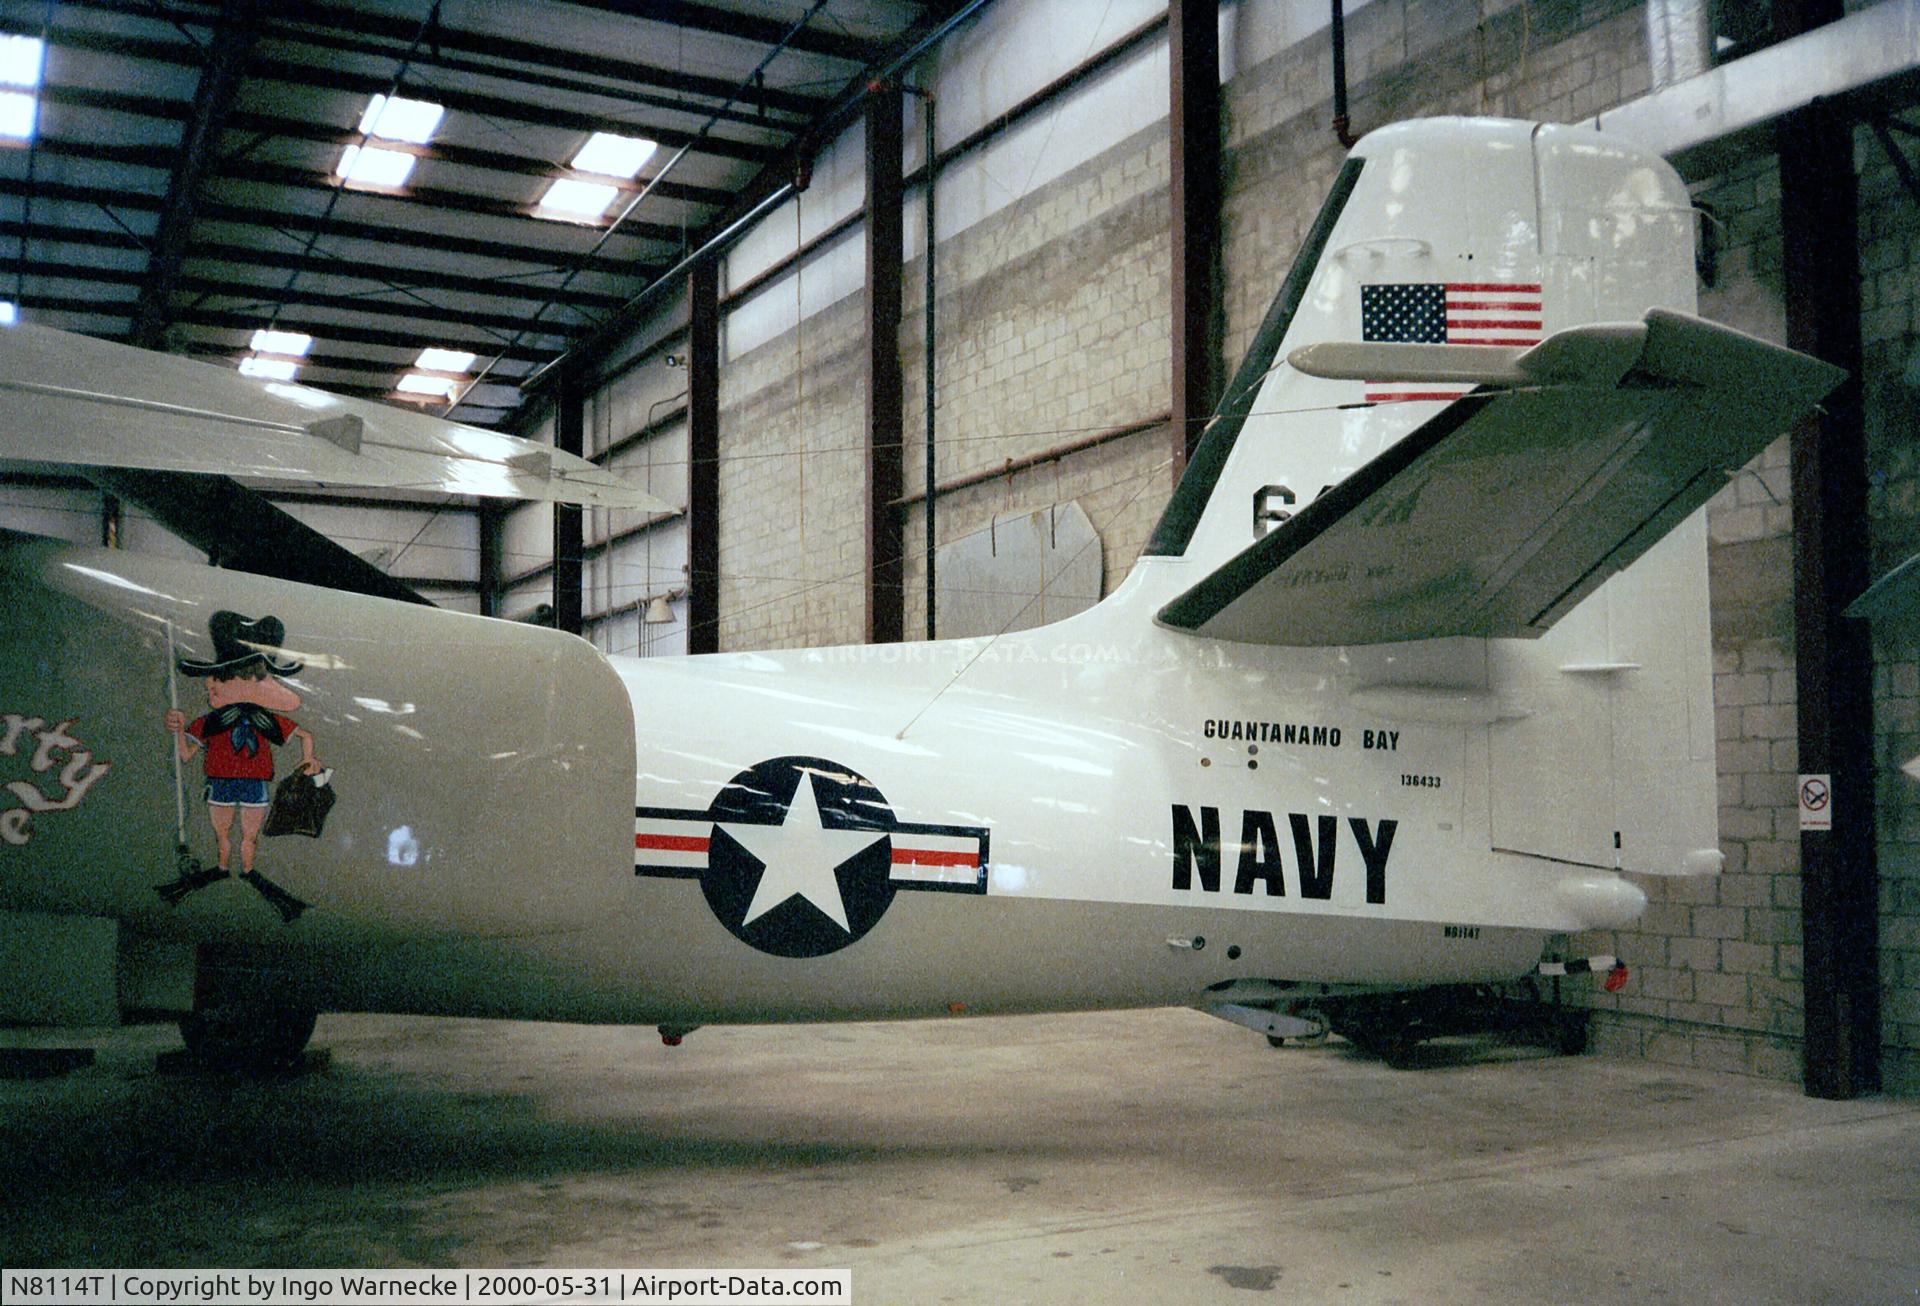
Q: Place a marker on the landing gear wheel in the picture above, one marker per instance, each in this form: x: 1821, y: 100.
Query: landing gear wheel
x: 1570, y: 1032
x: 1393, y: 1045
x: 247, y: 1038
x: 1275, y: 1041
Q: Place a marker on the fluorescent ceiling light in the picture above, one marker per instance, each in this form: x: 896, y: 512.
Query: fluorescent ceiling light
x: 413, y: 383
x: 444, y: 360
x: 401, y: 119
x: 17, y: 114
x: 269, y: 369
x: 21, y: 59
x: 614, y: 156
x: 580, y: 200
x: 296, y: 343
x: 376, y: 167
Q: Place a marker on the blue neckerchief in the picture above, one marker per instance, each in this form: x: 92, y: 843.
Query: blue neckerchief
x: 248, y: 723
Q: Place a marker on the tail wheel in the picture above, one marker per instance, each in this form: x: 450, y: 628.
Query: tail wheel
x: 247, y: 1037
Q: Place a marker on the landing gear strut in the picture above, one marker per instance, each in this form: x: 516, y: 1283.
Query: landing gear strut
x: 1392, y: 1026
x: 257, y: 1036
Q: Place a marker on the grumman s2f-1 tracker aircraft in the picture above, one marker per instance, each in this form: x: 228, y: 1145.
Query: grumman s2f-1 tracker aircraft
x: 1414, y: 667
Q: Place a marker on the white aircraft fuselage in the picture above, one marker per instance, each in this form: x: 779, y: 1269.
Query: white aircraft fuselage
x: 1121, y: 809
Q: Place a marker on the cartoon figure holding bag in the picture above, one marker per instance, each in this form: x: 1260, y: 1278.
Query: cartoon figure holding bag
x: 236, y: 740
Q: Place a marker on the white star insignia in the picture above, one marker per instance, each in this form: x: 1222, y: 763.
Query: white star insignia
x: 799, y: 857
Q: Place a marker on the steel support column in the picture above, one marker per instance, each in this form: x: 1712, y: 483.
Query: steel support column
x: 703, y: 457
x: 1193, y: 126
x: 886, y: 613
x: 213, y: 99
x: 569, y: 527
x: 493, y: 548
x: 1839, y: 874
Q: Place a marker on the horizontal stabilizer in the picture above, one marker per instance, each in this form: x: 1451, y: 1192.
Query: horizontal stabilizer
x: 1590, y: 355
x: 72, y: 399
x: 1894, y: 595
x: 1518, y: 500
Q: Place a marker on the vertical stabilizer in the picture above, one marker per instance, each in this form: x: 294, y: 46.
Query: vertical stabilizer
x: 1440, y: 231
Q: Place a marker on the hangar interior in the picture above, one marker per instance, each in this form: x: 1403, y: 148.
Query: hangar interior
x: 912, y: 313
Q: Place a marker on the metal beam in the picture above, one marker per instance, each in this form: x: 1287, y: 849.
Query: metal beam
x: 1833, y: 659
x: 501, y: 109
x: 404, y: 237
x: 1193, y: 132
x: 40, y: 189
x: 1705, y: 124
x: 260, y: 293
x: 215, y: 210
x: 886, y: 435
x: 216, y: 355
x: 389, y: 274
x: 141, y: 106
x: 523, y: 72
x: 493, y: 549
x: 730, y: 22
x: 440, y: 197
x: 318, y: 328
x: 569, y: 519
x: 267, y: 126
x: 703, y: 457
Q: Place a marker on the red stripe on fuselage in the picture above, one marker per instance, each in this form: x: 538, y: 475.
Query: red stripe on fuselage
x: 930, y: 857
x: 672, y: 843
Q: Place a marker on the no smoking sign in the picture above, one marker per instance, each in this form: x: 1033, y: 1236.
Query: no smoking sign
x: 1816, y: 802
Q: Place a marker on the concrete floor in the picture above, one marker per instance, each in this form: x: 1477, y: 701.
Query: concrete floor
x: 1140, y: 1157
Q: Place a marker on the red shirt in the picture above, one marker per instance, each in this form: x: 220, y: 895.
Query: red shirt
x: 224, y: 762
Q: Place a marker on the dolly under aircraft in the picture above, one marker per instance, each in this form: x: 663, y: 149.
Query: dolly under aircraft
x: 1412, y: 675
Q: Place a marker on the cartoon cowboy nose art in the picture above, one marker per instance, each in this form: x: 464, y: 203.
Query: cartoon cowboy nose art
x: 235, y: 739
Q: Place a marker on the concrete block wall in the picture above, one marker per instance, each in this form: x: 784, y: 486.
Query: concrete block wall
x: 793, y: 486
x: 1051, y: 327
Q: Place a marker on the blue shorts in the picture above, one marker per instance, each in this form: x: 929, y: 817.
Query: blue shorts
x: 226, y: 792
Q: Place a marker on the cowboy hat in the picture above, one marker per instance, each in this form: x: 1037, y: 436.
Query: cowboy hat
x: 238, y: 641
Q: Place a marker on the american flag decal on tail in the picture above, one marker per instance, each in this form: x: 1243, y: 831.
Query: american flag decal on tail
x: 1447, y: 313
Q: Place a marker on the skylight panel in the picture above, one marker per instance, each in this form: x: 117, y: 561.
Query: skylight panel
x: 269, y: 369
x: 18, y: 112
x: 413, y: 383
x: 296, y: 343
x: 400, y: 119
x: 581, y: 201
x: 375, y: 167
x: 21, y: 60
x: 444, y: 360
x: 614, y: 156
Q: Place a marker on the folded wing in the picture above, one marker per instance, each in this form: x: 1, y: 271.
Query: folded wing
x: 1498, y: 516
x: 75, y: 400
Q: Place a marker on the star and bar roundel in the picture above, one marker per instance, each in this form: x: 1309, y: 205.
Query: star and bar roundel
x: 800, y: 857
